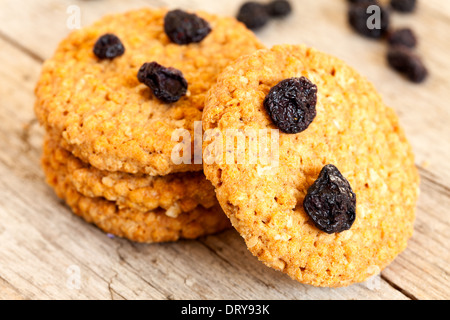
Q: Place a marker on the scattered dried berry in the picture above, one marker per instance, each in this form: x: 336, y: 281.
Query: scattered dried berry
x: 254, y: 15
x: 108, y: 46
x: 403, y: 37
x: 292, y: 104
x: 184, y: 28
x: 330, y: 201
x: 279, y: 8
x: 403, y: 5
x: 365, y: 23
x: 405, y: 61
x: 167, y: 84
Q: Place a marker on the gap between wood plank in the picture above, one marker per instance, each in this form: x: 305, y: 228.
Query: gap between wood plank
x: 384, y: 278
x: 136, y: 272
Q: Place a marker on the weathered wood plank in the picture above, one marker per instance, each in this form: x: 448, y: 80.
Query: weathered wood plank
x: 43, y: 246
x: 8, y: 292
x: 423, y: 269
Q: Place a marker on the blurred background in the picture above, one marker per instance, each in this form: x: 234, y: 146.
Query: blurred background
x: 38, y: 26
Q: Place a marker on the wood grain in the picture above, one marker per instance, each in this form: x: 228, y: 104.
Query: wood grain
x: 43, y: 243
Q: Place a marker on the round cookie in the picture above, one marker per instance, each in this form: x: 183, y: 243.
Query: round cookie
x: 135, y: 225
x: 105, y: 116
x: 176, y: 193
x: 353, y: 130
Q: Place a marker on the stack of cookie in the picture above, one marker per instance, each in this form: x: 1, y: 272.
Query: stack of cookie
x: 120, y: 101
x: 339, y: 205
x: 112, y: 99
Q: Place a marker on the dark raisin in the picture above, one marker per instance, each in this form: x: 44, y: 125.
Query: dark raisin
x: 366, y: 22
x: 279, y: 8
x: 404, y: 5
x: 292, y: 104
x: 184, y: 28
x: 108, y: 46
x: 167, y: 84
x: 404, y: 37
x: 405, y: 61
x: 254, y: 15
x: 330, y: 201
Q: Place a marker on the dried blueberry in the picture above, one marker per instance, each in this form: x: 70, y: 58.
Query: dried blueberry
x: 254, y: 15
x: 108, y: 46
x: 403, y: 5
x: 184, y: 28
x: 404, y: 37
x: 167, y: 84
x: 279, y: 8
x: 405, y: 61
x: 292, y: 104
x: 330, y: 201
x: 368, y: 21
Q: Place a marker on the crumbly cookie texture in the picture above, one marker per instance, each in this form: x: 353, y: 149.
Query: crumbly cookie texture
x: 104, y: 116
x: 135, y: 225
x: 176, y: 193
x: 353, y: 130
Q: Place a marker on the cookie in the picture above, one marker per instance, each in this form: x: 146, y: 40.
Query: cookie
x: 175, y: 193
x: 135, y: 225
x: 105, y: 116
x: 352, y: 129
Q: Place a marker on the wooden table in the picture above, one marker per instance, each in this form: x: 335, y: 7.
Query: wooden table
x: 47, y: 253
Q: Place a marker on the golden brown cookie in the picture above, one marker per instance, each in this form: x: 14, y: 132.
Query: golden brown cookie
x: 353, y: 130
x: 140, y: 226
x: 105, y: 116
x: 175, y: 193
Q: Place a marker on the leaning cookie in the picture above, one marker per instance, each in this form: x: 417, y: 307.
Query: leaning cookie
x: 335, y: 202
x: 118, y: 93
x: 176, y: 193
x: 135, y: 225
